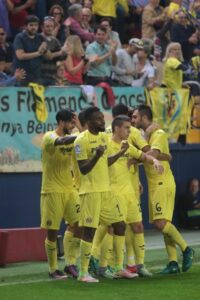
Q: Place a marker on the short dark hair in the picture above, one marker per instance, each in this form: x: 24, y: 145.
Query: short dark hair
x: 119, y: 109
x: 107, y: 19
x: 100, y: 27
x: 90, y: 111
x: 145, y: 110
x: 32, y: 19
x: 81, y: 117
x: 64, y: 115
x: 119, y: 120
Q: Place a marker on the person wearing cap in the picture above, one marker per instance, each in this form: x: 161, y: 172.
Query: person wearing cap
x: 29, y: 48
x: 124, y: 71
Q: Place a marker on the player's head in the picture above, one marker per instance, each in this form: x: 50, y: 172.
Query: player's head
x: 94, y: 119
x: 120, y: 109
x: 65, y: 120
x: 121, y: 127
x: 142, y: 116
x: 82, y: 120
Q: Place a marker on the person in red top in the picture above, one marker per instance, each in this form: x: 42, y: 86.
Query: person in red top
x: 76, y: 63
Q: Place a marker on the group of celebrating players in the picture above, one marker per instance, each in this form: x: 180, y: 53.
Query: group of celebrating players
x: 91, y: 180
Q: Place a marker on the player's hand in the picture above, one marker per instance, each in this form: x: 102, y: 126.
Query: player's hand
x: 157, y: 166
x: 76, y: 122
x: 100, y: 151
x: 124, y: 147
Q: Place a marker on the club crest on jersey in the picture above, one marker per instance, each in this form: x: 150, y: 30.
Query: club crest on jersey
x: 77, y: 149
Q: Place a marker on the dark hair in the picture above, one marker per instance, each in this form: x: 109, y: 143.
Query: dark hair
x: 145, y: 110
x: 107, y: 19
x: 119, y: 120
x: 102, y: 28
x: 90, y: 111
x: 119, y: 109
x: 32, y: 19
x: 64, y: 115
x: 190, y: 181
x: 81, y: 117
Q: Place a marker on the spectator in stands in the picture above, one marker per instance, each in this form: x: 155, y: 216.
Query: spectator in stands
x: 102, y: 57
x: 60, y: 74
x: 19, y: 13
x: 111, y: 35
x: 54, y: 52
x: 30, y: 47
x: 184, y: 33
x: 76, y: 63
x: 86, y: 19
x: 6, y: 52
x: 87, y: 4
x: 189, y: 205
x: 74, y: 23
x: 5, y: 7
x: 61, y: 31
x: 8, y: 80
x: 153, y: 18
x: 125, y: 70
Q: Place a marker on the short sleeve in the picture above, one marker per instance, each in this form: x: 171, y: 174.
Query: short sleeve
x: 173, y: 63
x: 136, y: 139
x: 159, y: 141
x: 80, y: 149
x: 134, y: 152
x: 48, y: 142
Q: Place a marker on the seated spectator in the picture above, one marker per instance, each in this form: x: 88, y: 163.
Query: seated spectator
x: 153, y: 18
x: 184, y: 33
x: 6, y: 52
x: 19, y: 13
x: 61, y: 31
x: 30, y: 47
x: 87, y: 4
x: 87, y: 16
x: 124, y: 71
x: 5, y: 7
x: 8, y: 80
x: 76, y: 63
x: 102, y: 57
x: 60, y: 74
x: 189, y: 205
x: 112, y: 35
x: 54, y: 52
x: 74, y: 23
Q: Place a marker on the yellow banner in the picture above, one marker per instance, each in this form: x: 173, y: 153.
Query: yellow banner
x: 171, y: 109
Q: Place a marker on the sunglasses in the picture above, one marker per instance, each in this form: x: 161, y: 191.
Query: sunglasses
x: 49, y: 18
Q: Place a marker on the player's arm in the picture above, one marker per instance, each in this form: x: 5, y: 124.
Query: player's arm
x: 66, y: 140
x: 145, y: 157
x: 160, y: 156
x: 87, y: 165
x: 113, y: 158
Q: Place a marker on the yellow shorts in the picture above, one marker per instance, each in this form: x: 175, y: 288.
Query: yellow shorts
x: 161, y: 203
x: 131, y: 208
x: 57, y: 206
x: 97, y: 208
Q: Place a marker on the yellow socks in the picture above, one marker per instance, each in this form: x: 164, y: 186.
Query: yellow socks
x: 51, y: 251
x: 85, y: 253
x: 130, y: 255
x: 175, y: 236
x: 118, y: 246
x: 170, y: 247
x: 71, y: 248
x: 106, y: 250
x: 139, y: 247
x: 98, y: 238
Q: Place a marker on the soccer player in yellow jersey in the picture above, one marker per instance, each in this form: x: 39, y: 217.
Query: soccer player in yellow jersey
x: 59, y: 198
x: 98, y: 205
x: 162, y: 194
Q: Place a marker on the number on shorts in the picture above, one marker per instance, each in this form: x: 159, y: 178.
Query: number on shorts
x: 158, y: 208
x: 78, y: 208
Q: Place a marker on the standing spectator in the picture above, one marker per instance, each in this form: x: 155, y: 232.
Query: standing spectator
x: 5, y: 7
x: 184, y: 33
x: 102, y: 56
x: 54, y: 53
x: 124, y: 71
x: 19, y: 13
x: 74, y: 22
x: 153, y: 18
x: 112, y: 35
x: 60, y: 31
x: 6, y: 52
x: 30, y: 47
x: 76, y: 62
x: 87, y: 17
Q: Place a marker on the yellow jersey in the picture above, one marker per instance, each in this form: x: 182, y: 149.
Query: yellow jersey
x: 172, y: 77
x: 158, y: 141
x: 97, y: 180
x: 119, y: 173
x: 56, y: 165
x: 107, y: 8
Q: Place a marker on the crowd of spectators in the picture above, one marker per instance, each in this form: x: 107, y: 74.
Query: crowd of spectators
x: 123, y: 43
